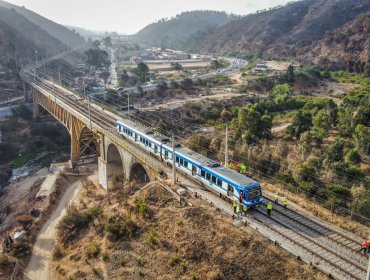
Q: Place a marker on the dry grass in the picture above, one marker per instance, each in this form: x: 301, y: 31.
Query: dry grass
x: 174, y: 242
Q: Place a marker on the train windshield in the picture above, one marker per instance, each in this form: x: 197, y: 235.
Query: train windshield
x: 254, y: 193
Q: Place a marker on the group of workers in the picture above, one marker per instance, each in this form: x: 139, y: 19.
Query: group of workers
x: 240, y: 209
x: 365, y: 246
x: 276, y: 200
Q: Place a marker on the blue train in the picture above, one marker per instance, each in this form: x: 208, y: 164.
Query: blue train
x: 223, y: 181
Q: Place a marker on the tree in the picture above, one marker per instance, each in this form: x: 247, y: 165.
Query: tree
x: 97, y: 58
x: 96, y: 44
x: 321, y: 124
x: 161, y: 127
x: 186, y: 84
x: 290, y: 74
x: 282, y: 93
x: 334, y: 153
x: 123, y: 78
x: 141, y: 71
x: 199, y: 144
x: 353, y: 157
x: 302, y: 122
x: 254, y: 125
x: 304, y: 144
x: 173, y: 84
x: 362, y: 138
x: 176, y: 66
x: 216, y: 64
x: 107, y: 41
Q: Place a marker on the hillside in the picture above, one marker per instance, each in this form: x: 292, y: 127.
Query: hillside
x: 149, y: 235
x: 66, y: 36
x: 13, y: 44
x: 280, y: 32
x: 348, y: 43
x: 170, y: 32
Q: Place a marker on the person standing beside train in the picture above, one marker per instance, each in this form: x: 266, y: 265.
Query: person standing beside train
x: 235, y: 204
x: 241, y: 197
x: 269, y: 208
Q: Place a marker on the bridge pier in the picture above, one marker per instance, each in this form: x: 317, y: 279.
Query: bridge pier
x: 102, y: 167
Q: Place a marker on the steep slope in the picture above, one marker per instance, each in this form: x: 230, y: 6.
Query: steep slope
x: 31, y: 32
x: 66, y: 36
x: 13, y: 45
x: 171, y: 32
x: 346, y: 44
x: 280, y: 32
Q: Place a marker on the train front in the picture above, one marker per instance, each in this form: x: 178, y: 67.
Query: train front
x: 253, y: 195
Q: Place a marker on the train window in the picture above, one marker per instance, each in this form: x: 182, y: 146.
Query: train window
x: 214, y: 179
x: 166, y: 154
x: 254, y: 193
x: 202, y: 173
x: 208, y: 176
x: 177, y: 159
x: 219, y: 182
x: 181, y: 161
x: 186, y: 164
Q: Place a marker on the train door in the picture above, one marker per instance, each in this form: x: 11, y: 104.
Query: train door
x: 165, y: 154
x: 193, y: 170
x: 230, y: 190
x: 155, y: 149
x: 135, y: 137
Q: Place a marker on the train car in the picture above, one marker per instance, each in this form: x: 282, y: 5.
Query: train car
x: 223, y: 181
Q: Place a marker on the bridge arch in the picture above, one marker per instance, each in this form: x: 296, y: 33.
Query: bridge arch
x: 115, y: 170
x: 139, y: 173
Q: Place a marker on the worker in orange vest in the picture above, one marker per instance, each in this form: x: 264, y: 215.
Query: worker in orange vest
x: 364, y: 247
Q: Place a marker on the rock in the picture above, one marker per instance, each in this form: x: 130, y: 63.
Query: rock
x: 181, y: 191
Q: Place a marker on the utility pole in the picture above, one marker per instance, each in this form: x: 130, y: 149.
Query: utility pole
x: 36, y: 57
x: 55, y: 97
x: 226, y: 146
x: 88, y: 105
x: 249, y: 157
x: 128, y: 104
x: 60, y: 79
x: 83, y: 85
x: 173, y: 160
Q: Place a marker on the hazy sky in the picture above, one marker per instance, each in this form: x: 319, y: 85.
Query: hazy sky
x: 129, y: 16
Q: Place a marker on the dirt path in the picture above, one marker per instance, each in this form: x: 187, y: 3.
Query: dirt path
x: 38, y: 267
x: 280, y: 127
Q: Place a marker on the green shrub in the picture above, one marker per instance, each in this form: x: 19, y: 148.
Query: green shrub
x: 57, y: 253
x: 75, y: 220
x: 141, y: 207
x: 93, y: 250
x: 183, y: 266
x: 105, y: 256
x: 4, y: 261
x: 152, y: 236
x: 119, y: 227
x: 175, y: 260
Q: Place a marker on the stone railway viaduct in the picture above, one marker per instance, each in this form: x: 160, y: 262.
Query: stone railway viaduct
x: 117, y: 158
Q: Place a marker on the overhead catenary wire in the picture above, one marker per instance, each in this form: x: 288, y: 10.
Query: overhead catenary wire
x: 115, y: 100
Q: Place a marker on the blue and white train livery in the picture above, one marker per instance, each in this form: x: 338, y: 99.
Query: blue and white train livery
x: 221, y: 180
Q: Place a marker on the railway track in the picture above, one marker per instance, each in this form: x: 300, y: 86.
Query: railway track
x: 333, y: 251
x: 350, y: 243
x: 334, y: 257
